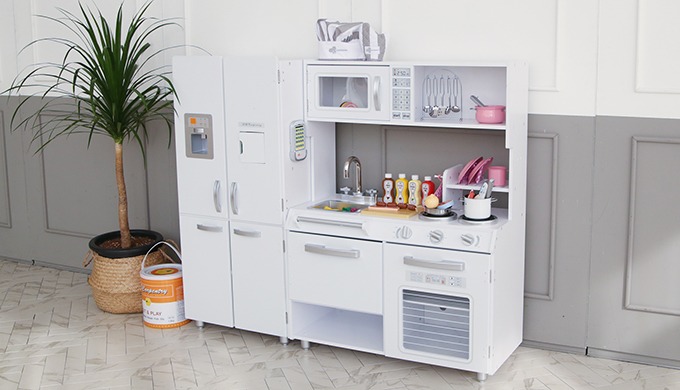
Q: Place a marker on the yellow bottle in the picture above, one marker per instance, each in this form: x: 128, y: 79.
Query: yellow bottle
x: 414, y: 195
x: 401, y: 185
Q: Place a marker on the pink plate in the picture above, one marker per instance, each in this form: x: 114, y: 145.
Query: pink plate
x: 476, y: 174
x: 462, y: 177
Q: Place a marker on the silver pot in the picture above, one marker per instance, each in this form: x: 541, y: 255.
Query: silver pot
x: 439, y: 212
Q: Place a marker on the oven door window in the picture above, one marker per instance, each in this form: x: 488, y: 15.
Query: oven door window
x: 343, y: 91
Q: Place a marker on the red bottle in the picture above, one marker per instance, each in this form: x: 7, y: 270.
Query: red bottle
x: 427, y: 188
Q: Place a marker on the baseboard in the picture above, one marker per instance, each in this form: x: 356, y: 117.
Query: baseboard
x: 554, y: 347
x: 79, y: 270
x: 633, y: 358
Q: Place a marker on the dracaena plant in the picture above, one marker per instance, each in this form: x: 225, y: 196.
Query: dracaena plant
x: 104, y: 85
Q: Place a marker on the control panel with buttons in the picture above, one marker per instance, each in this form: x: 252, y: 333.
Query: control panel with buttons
x: 401, y: 93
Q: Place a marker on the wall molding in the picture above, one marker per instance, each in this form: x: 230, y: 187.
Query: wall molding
x: 639, y: 87
x: 3, y: 155
x: 550, y: 294
x: 628, y: 277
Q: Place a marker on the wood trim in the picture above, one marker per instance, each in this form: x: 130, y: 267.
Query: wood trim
x: 628, y: 277
x: 550, y: 296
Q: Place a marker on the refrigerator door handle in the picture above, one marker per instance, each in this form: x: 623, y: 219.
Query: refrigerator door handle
x: 247, y: 233
x: 234, y: 196
x: 208, y: 228
x: 216, y: 196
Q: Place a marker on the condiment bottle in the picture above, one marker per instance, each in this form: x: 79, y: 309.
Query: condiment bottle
x: 401, y: 186
x: 388, y: 188
x: 414, y: 196
x: 427, y: 188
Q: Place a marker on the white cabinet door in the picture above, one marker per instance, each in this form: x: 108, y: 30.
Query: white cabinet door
x: 201, y: 177
x: 335, y: 272
x: 258, y: 277
x: 206, y: 270
x: 253, y: 140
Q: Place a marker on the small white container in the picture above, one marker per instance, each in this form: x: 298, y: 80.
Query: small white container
x: 350, y: 51
x: 478, y: 209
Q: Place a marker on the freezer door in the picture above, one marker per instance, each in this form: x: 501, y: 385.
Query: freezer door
x: 200, y: 136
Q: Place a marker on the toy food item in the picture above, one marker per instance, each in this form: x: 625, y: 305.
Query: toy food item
x: 431, y: 201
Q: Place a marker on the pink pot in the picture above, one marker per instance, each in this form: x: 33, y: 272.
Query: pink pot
x: 490, y: 114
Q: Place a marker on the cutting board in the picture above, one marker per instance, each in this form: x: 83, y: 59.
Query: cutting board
x: 390, y: 212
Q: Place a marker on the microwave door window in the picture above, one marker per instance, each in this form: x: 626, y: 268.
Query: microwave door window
x: 343, y: 92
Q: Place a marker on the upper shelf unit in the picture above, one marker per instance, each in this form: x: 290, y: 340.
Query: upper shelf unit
x: 400, y: 93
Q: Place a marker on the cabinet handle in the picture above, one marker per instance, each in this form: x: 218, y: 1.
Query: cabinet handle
x: 356, y: 225
x: 323, y: 250
x: 247, y: 233
x: 443, y: 264
x: 376, y: 93
x: 233, y: 195
x: 208, y: 228
x: 216, y: 196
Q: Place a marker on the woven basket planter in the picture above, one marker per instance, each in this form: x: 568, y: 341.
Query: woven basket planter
x: 115, y: 281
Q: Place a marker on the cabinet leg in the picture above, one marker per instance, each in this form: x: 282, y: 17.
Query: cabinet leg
x: 199, y: 324
x: 283, y: 340
x: 304, y: 344
x: 481, y: 376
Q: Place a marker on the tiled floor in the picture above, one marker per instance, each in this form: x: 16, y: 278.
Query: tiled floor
x: 52, y: 336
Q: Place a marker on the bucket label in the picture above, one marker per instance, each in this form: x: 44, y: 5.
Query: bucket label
x: 163, y: 313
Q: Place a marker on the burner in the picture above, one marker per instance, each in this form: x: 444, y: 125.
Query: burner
x: 491, y: 219
x: 431, y: 217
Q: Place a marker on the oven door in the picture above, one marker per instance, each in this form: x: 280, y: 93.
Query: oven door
x: 436, y: 306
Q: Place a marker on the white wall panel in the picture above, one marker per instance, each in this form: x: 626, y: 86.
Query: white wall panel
x: 254, y: 27
x: 557, y: 38
x: 637, y: 59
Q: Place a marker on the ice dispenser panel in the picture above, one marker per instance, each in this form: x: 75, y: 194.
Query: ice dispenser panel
x: 199, y: 135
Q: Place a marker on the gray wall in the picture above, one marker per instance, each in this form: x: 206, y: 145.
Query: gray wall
x: 53, y: 202
x: 602, y: 241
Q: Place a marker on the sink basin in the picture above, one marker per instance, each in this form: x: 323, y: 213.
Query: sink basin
x: 344, y: 204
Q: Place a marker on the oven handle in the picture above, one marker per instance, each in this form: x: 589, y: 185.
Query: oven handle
x: 357, y: 225
x: 323, y: 250
x: 444, y: 264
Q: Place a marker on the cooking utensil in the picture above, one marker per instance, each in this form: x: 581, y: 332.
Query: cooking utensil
x: 477, y: 101
x: 439, y: 212
x: 435, y: 91
x: 483, y: 190
x: 448, y: 108
x: 488, y: 192
x: 427, y: 92
x: 455, y: 85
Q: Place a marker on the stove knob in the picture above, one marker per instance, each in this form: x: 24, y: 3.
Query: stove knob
x: 468, y: 239
x: 436, y: 236
x: 406, y: 232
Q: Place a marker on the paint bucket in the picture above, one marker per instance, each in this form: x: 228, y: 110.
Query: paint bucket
x: 163, y: 294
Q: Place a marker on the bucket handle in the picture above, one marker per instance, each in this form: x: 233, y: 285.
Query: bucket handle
x: 159, y: 243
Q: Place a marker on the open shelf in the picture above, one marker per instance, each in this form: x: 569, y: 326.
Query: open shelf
x: 339, y: 328
x: 475, y: 187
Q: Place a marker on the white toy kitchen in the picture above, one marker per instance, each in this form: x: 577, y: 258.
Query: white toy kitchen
x: 270, y: 245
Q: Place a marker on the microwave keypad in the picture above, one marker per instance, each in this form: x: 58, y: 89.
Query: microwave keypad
x: 401, y: 93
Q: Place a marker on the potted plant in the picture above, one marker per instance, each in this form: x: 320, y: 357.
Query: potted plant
x: 103, y: 86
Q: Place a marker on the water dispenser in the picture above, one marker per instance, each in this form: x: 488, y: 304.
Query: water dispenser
x: 199, y: 135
